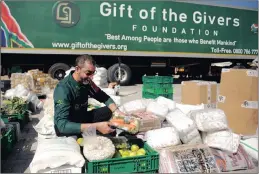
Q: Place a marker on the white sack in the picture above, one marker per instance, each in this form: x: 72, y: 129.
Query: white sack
x: 54, y: 153
x: 165, y: 101
x: 192, y: 137
x: 68, y: 71
x: 210, y: 120
x: 160, y: 138
x: 184, y: 125
x: 187, y: 108
x: 134, y: 106
x: 147, y: 101
x: 116, y: 99
x: 158, y: 109
x: 251, y: 147
x: 224, y: 140
x: 108, y: 91
x: 45, y: 127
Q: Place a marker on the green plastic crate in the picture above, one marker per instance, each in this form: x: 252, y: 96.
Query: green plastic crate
x: 140, y: 164
x: 158, y: 85
x: 158, y: 90
x: 7, y: 142
x: 157, y: 79
x: 154, y: 96
x: 23, y: 119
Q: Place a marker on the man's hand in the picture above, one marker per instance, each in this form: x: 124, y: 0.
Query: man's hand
x: 104, y: 127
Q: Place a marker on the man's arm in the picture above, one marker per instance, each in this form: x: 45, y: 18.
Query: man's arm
x: 61, y: 113
x: 101, y: 96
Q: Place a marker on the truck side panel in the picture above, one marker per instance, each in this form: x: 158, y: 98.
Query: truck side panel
x: 129, y: 28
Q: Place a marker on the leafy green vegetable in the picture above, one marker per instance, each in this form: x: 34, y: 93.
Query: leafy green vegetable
x: 13, y: 106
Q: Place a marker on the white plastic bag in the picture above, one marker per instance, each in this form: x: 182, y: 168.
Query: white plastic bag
x: 184, y: 125
x: 98, y: 148
x: 116, y: 99
x: 108, y: 91
x: 187, y: 108
x: 224, y: 140
x: 160, y: 138
x: 165, y: 101
x: 180, y: 122
x: 9, y: 94
x: 56, y: 152
x: 68, y: 71
x: 251, y: 147
x: 158, y: 109
x: 134, y: 106
x: 45, y: 127
x: 209, y: 120
x: 146, y: 101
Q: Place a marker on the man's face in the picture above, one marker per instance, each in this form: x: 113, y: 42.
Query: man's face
x: 86, y: 72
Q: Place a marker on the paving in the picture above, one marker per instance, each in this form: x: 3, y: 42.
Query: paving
x: 22, y: 155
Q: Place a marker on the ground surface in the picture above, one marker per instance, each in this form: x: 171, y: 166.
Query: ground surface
x: 22, y: 155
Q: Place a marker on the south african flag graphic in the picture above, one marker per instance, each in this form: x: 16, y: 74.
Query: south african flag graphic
x: 11, y: 34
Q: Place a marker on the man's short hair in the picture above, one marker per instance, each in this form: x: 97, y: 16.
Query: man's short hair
x: 80, y: 60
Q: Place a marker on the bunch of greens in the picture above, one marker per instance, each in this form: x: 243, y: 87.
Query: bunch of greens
x: 14, y: 106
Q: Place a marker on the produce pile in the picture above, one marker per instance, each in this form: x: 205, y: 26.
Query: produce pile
x: 13, y: 106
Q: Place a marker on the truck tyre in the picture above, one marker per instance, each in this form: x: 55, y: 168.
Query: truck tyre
x: 58, y: 70
x: 113, y: 75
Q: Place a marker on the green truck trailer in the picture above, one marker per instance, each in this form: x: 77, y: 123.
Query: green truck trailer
x: 162, y: 35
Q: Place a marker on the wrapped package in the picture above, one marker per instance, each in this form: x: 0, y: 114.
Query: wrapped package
x: 165, y: 101
x: 228, y: 162
x: 209, y: 120
x: 251, y: 147
x: 148, y: 121
x: 187, y: 108
x: 159, y: 110
x: 185, y: 126
x: 160, y: 138
x: 133, y: 106
x: 187, y: 159
x: 127, y: 123
x: 224, y: 140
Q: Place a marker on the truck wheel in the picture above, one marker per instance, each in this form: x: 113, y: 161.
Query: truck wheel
x: 113, y: 74
x: 58, y: 70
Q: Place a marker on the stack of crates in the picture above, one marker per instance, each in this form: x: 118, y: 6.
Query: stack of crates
x: 155, y: 86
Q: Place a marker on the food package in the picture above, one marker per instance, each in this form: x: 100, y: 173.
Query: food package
x: 160, y: 138
x: 99, y: 148
x: 228, y: 162
x: 165, y: 101
x: 159, y: 110
x: 187, y: 159
x: 126, y: 123
x: 192, y: 137
x: 224, y: 140
x: 209, y: 120
x: 251, y: 147
x: 184, y: 125
x: 187, y: 108
x: 133, y: 106
x: 148, y: 121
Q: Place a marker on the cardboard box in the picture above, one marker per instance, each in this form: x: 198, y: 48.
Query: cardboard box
x: 238, y: 98
x: 198, y: 92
